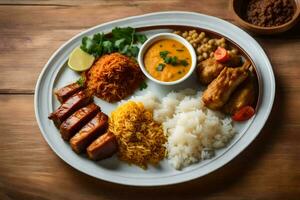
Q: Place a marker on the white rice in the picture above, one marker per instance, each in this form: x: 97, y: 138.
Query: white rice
x: 193, y: 130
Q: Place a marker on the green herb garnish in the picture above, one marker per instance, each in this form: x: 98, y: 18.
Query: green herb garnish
x: 173, y: 60
x: 163, y: 54
x: 184, y: 63
x: 160, y: 67
x: 143, y: 85
x: 122, y: 40
x: 81, y: 81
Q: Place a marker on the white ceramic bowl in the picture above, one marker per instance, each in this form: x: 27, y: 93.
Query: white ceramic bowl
x: 162, y: 36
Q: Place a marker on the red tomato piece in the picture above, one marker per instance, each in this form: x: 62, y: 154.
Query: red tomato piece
x: 221, y: 54
x: 243, y: 114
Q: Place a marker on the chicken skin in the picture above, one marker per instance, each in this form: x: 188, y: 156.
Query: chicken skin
x: 220, y: 89
x: 208, y: 70
x: 244, y: 95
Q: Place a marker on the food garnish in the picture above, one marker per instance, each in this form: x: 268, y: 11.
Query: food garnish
x: 173, y: 60
x: 243, y: 114
x: 122, y: 40
x: 81, y: 81
x: 160, y: 67
x: 221, y: 54
x: 79, y: 60
x: 143, y: 85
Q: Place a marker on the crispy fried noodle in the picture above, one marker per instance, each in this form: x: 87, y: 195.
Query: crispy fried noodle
x: 141, y: 140
x: 113, y: 77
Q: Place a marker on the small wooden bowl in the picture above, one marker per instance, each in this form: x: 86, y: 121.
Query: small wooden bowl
x: 238, y: 9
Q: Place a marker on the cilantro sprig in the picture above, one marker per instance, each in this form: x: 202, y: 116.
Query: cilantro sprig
x: 122, y: 40
x: 173, y: 60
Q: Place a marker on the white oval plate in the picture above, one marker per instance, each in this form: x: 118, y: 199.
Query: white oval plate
x: 55, y: 74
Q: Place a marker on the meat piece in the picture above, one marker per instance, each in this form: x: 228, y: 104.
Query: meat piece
x: 64, y: 93
x: 208, y: 70
x: 105, y: 146
x: 77, y: 120
x: 219, y: 91
x: 75, y: 102
x: 244, y: 95
x: 96, y: 127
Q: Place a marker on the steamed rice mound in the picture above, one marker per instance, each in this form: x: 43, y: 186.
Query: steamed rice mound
x: 140, y: 139
x: 113, y: 77
x: 193, y: 131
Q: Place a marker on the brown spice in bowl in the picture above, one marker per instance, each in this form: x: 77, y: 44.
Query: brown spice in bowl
x: 268, y: 13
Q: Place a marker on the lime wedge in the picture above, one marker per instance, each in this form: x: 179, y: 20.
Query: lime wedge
x: 80, y: 60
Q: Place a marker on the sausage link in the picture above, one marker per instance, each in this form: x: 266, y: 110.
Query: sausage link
x: 103, y: 147
x: 77, y: 120
x: 64, y: 93
x: 97, y: 126
x: 72, y: 104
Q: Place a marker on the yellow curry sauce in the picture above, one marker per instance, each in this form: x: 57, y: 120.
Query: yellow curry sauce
x: 160, y: 61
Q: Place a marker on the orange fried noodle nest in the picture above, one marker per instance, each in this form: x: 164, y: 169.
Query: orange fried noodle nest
x: 113, y: 77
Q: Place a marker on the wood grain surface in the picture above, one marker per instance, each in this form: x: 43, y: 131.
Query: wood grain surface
x: 30, y: 31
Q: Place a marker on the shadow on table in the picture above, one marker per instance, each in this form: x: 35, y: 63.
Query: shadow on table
x: 231, y: 175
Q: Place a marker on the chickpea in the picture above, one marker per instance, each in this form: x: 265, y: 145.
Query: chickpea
x: 204, y: 49
x: 205, y: 55
x: 188, y: 38
x: 209, y: 47
x: 199, y: 50
x: 199, y: 58
x: 223, y: 45
x: 234, y: 51
x: 185, y: 34
x: 211, y: 41
x: 202, y: 34
x: 195, y: 35
x: 194, y: 45
x: 197, y: 40
x: 222, y: 40
x: 205, y: 40
x: 211, y: 54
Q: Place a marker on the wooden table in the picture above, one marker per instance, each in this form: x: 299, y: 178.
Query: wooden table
x: 30, y: 31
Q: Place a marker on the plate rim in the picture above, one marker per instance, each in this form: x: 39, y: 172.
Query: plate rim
x: 138, y: 183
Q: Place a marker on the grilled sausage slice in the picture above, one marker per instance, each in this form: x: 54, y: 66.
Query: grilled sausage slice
x: 64, y: 93
x: 75, y: 102
x: 97, y: 126
x: 77, y: 120
x: 105, y: 146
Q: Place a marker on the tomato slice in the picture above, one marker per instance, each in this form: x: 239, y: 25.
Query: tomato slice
x: 221, y: 54
x: 243, y: 114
